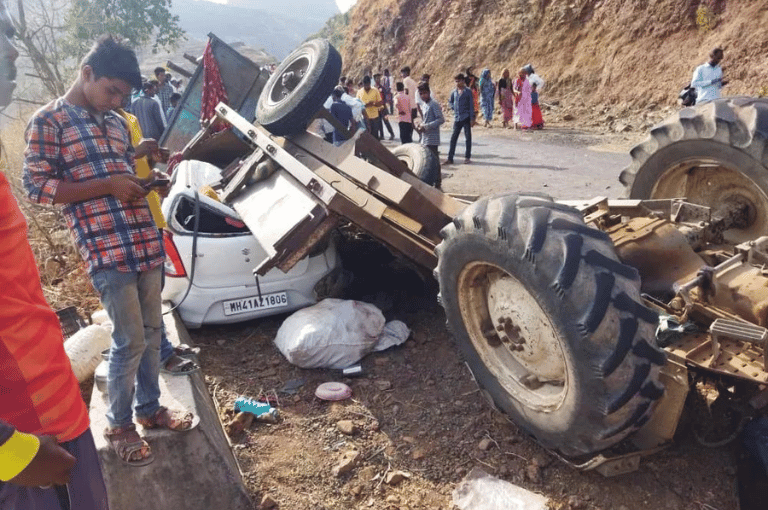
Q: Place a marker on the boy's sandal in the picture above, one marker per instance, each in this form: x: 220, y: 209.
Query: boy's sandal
x: 179, y: 366
x: 128, y: 445
x: 184, y: 350
x: 167, y: 419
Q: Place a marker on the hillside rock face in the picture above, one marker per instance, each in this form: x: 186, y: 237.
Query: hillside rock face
x: 592, y: 53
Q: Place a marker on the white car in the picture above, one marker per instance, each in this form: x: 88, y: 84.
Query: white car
x: 223, y: 288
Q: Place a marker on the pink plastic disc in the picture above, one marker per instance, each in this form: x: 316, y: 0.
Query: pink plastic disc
x: 333, y: 391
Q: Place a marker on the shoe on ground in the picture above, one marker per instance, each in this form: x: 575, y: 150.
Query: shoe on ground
x: 467, y: 161
x: 448, y: 162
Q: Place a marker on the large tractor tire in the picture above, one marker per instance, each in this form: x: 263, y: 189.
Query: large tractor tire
x: 550, y: 322
x: 419, y: 160
x: 298, y: 88
x: 712, y: 154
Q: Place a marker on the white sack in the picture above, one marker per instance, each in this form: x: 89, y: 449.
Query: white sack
x: 84, y: 350
x: 481, y: 491
x: 334, y: 333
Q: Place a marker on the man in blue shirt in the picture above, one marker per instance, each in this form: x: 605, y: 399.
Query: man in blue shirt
x: 343, y: 113
x: 708, y: 78
x: 463, y: 105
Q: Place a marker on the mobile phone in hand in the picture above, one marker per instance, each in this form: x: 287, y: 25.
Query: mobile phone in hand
x: 157, y: 183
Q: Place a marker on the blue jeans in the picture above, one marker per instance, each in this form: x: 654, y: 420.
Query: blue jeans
x: 132, y: 301
x: 86, y: 490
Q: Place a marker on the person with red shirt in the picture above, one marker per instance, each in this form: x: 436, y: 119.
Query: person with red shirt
x: 48, y: 459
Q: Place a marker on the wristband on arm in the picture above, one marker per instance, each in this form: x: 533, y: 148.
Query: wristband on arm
x: 16, y: 454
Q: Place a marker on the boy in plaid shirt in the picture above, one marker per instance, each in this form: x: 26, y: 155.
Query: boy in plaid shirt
x: 79, y: 155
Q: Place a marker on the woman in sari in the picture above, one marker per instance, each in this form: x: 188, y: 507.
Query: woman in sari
x: 506, y: 98
x: 522, y: 93
x: 487, y: 93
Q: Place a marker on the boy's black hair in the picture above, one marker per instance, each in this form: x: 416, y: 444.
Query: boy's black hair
x: 147, y: 86
x: 175, y: 96
x: 423, y: 87
x: 338, y: 92
x: 406, y: 70
x: 459, y: 77
x: 366, y: 79
x: 110, y: 58
x: 399, y: 86
x: 343, y: 79
x: 159, y: 70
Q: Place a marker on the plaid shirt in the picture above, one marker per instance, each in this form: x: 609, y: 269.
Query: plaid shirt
x: 66, y: 143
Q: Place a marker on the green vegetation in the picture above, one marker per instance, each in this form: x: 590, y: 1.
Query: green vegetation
x: 335, y: 30
x: 706, y: 20
x: 56, y: 34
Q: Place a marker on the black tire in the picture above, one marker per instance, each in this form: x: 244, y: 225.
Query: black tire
x: 713, y: 154
x: 601, y: 338
x: 419, y: 160
x: 286, y: 108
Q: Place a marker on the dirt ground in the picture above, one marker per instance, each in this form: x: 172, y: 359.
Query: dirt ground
x: 416, y: 422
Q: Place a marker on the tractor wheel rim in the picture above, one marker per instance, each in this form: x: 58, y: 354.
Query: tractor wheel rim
x: 289, y: 79
x: 513, y: 336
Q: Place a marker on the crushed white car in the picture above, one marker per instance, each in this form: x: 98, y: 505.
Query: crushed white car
x: 218, y: 286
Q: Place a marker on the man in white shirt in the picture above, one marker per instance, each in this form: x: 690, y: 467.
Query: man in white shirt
x: 708, y: 78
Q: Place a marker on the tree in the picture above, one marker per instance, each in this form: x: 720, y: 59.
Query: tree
x: 142, y: 22
x: 56, y: 34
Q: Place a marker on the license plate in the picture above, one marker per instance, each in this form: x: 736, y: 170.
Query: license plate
x: 250, y: 304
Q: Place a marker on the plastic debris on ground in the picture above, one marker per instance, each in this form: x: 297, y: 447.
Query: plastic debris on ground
x: 336, y: 334
x: 333, y: 391
x: 481, y: 491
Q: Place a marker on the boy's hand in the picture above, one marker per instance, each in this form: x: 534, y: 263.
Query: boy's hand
x: 146, y: 147
x: 161, y: 190
x: 51, y: 466
x: 126, y: 188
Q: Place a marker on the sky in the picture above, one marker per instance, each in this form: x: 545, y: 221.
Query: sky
x: 344, y: 5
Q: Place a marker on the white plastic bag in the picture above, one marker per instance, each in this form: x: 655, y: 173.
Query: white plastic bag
x: 84, y: 350
x: 334, y: 334
x: 481, y: 491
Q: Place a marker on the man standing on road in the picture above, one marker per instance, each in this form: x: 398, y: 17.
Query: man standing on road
x: 410, y: 88
x: 432, y: 119
x: 48, y: 459
x: 708, y: 78
x: 463, y: 105
x: 147, y: 110
x: 164, y: 89
x: 79, y: 154
x: 371, y: 98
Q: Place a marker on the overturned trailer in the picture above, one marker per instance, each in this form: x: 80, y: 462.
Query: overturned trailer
x: 588, y: 323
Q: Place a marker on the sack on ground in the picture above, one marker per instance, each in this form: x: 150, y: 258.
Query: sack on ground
x: 335, y: 334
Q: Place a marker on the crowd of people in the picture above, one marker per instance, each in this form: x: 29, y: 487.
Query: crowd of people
x: 371, y: 103
x: 155, y: 101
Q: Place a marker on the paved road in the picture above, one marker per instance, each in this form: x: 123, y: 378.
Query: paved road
x: 554, y: 161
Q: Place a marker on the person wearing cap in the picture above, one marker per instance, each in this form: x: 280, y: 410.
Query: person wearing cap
x: 79, y: 155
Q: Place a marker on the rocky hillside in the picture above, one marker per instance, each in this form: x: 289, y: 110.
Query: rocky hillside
x: 600, y: 58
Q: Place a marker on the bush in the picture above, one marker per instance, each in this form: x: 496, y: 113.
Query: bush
x: 705, y: 19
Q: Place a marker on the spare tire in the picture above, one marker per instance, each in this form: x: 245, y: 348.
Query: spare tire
x: 419, y: 160
x: 713, y: 154
x: 550, y: 322
x: 298, y: 88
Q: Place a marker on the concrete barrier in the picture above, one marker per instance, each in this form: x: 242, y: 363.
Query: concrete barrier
x: 194, y: 470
